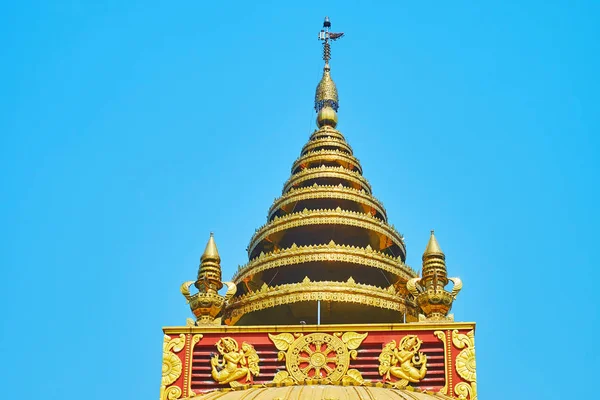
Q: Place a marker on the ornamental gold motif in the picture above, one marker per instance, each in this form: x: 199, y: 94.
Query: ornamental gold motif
x: 326, y: 217
x: 327, y: 192
x: 172, y: 366
x: 319, y: 357
x: 403, y: 361
x: 347, y: 292
x: 327, y: 155
x: 327, y: 172
x: 465, y: 365
x: 236, y: 364
x: 331, y: 252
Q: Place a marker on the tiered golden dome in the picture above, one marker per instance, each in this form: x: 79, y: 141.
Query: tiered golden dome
x: 326, y: 248
x: 326, y: 239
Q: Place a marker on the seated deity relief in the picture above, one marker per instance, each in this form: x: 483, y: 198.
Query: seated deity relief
x: 403, y: 361
x: 233, y: 364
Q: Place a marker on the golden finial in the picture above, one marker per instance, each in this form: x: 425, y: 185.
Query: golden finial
x: 210, y: 252
x: 432, y: 298
x: 326, y: 96
x: 432, y: 247
x: 207, y: 305
x: 209, y: 272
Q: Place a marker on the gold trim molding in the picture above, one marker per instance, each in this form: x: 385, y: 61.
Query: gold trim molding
x: 379, y: 327
x: 326, y: 142
x: 441, y: 335
x: 327, y: 192
x: 326, y: 131
x: 171, y: 367
x: 327, y: 155
x: 307, y: 290
x: 326, y: 252
x: 189, y: 355
x: 327, y: 172
x: 465, y: 365
x: 326, y: 217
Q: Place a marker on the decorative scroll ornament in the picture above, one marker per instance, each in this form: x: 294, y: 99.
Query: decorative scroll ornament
x: 465, y: 365
x: 172, y: 366
x: 404, y: 361
x: 318, y: 357
x: 236, y: 364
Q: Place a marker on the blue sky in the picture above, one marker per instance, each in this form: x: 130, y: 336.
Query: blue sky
x: 130, y: 130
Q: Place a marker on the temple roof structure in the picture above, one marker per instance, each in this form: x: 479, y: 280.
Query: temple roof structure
x: 325, y: 307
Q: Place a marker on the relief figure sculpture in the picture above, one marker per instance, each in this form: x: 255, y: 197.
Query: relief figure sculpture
x: 235, y: 364
x: 404, y: 362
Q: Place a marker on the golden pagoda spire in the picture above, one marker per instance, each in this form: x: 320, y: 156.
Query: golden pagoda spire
x: 208, y: 304
x: 326, y: 96
x: 209, y: 272
x: 432, y: 298
x: 434, y: 264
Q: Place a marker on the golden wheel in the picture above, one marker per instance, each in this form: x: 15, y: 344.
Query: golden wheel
x: 318, y: 356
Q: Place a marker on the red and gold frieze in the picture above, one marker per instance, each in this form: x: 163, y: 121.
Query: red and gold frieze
x: 420, y: 356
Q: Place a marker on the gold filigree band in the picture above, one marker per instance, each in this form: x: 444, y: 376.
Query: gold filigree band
x: 327, y: 192
x: 325, y: 172
x: 327, y: 156
x: 343, y: 292
x: 327, y: 252
x: 326, y: 217
x: 326, y: 142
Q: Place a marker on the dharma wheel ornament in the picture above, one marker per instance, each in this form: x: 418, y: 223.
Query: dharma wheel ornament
x: 208, y: 305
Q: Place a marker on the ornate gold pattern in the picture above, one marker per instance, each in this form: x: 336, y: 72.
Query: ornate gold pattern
x: 345, y: 292
x: 324, y: 172
x: 441, y: 335
x: 429, y: 290
x: 465, y: 365
x: 326, y: 217
x: 326, y: 142
x: 327, y: 155
x: 413, y: 363
x: 326, y: 132
x: 187, y: 381
x: 327, y: 192
x: 318, y: 356
x: 236, y: 364
x: 326, y: 93
x: 172, y: 366
x: 208, y: 304
x: 331, y: 252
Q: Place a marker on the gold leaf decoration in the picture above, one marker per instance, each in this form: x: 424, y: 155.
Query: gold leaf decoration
x: 172, y: 366
x: 465, y: 365
x: 282, y: 341
x: 172, y: 393
x: 353, y: 339
x: 353, y: 377
x: 283, y: 377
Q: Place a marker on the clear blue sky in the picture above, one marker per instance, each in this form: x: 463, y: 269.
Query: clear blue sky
x: 130, y: 130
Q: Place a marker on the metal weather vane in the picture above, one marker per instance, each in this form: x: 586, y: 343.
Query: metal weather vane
x: 325, y: 35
